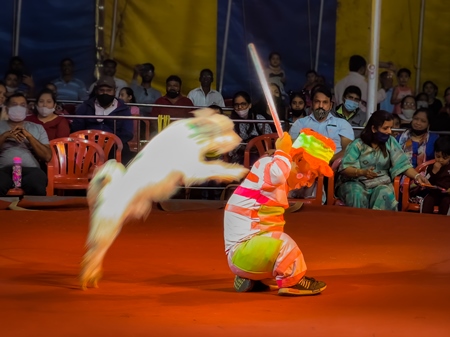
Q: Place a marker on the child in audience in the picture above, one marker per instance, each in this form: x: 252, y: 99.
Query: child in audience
x: 397, y: 125
x: 274, y: 73
x: 439, y: 175
x: 127, y: 95
x: 402, y: 89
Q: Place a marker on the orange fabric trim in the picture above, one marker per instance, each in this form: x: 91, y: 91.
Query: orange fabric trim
x: 252, y: 177
x: 288, y: 260
x: 283, y: 154
x: 242, y: 211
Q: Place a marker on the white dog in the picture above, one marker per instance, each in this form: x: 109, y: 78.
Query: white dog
x: 174, y: 158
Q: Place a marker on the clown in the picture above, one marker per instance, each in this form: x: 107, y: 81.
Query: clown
x: 255, y: 244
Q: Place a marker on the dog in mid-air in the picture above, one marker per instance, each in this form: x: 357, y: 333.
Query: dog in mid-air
x: 174, y: 158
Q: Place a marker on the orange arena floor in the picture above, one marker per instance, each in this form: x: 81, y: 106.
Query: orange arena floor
x: 388, y: 274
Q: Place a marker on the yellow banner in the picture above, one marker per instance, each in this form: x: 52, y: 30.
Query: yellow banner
x: 177, y: 36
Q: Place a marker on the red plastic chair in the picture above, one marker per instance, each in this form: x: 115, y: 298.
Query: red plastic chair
x: 73, y: 163
x: 15, y: 192
x: 105, y: 139
x: 406, y: 204
x: 136, y: 143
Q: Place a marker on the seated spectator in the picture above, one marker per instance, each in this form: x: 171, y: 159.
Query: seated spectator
x: 324, y: 122
x: 275, y: 73
x: 144, y: 93
x: 106, y: 104
x: 441, y: 122
x: 25, y: 80
x: 386, y: 83
x: 370, y: 164
x: 350, y: 110
x: 29, y: 141
x: 44, y: 114
x: 262, y: 107
x: 417, y: 142
x: 127, y: 95
x: 216, y: 108
x: 68, y: 87
x: 242, y: 105
x: 3, y: 114
x: 173, y: 96
x: 402, y: 89
x: 439, y: 175
x: 297, y: 107
x: 108, y: 69
x: 408, y: 107
x: 422, y: 101
x: 434, y: 104
x: 397, y: 125
x: 204, y: 95
x: 12, y: 83
x: 311, y: 80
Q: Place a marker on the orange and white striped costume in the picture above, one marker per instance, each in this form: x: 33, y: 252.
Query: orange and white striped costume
x: 255, y: 242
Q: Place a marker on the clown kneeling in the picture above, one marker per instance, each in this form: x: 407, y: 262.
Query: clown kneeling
x: 257, y: 248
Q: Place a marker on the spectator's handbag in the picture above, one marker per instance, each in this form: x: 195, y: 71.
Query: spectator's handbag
x: 380, y: 180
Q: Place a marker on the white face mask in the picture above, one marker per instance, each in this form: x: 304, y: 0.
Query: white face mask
x: 44, y: 111
x: 17, y: 113
x: 11, y: 89
x: 408, y: 113
x: 243, y: 113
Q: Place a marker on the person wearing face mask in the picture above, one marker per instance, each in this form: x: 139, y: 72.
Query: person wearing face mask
x: 44, y: 114
x: 104, y: 103
x: 242, y: 105
x: 27, y: 140
x: 371, y: 163
x: 324, y: 122
x: 297, y: 107
x: 262, y: 108
x: 417, y: 142
x: 408, y: 107
x: 350, y: 111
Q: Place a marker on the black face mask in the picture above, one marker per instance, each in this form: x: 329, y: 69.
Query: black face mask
x: 172, y: 93
x: 105, y: 100
x: 298, y: 113
x: 419, y: 132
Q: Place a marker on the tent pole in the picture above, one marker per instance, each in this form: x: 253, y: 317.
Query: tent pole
x: 419, y: 45
x: 319, y: 34
x: 225, y: 44
x: 17, y: 17
x: 113, y: 31
x: 374, y: 55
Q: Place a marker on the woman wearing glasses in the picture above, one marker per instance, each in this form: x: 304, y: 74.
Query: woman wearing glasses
x: 242, y: 105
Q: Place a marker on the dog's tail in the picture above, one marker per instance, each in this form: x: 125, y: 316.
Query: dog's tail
x: 104, y: 224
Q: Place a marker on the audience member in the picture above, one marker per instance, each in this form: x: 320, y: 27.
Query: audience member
x: 434, y: 104
x: 422, y: 100
x: 350, y: 110
x: 44, y: 114
x: 356, y: 77
x: 127, y: 95
x: 386, y: 82
x: 29, y: 141
x: 397, y: 125
x: 3, y: 114
x: 242, y: 105
x: 324, y: 122
x: 262, y: 107
x: 144, y: 93
x: 297, y: 107
x: 61, y: 109
x: 439, y: 175
x: 407, y: 109
x: 12, y: 83
x: 173, y: 96
x: 108, y: 69
x: 68, y: 87
x: 311, y: 81
x: 25, y: 80
x: 274, y: 72
x: 441, y: 122
x: 370, y: 164
x: 402, y: 89
x: 204, y: 95
x: 417, y: 142
x: 106, y: 104
x: 216, y: 108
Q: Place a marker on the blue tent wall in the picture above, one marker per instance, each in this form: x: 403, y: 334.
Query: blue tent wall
x: 274, y: 25
x: 50, y: 31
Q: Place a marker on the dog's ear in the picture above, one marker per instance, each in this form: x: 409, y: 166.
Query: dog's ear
x: 206, y: 112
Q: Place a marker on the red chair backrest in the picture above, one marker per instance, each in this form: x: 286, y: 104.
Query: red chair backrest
x: 262, y: 143
x: 105, y: 139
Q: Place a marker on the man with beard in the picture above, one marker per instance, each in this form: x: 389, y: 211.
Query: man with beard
x: 324, y: 122
x: 204, y: 95
x: 109, y: 69
x: 144, y: 93
x: 104, y: 103
x: 173, y: 96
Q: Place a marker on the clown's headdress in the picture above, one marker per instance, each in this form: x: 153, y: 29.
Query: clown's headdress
x: 311, y: 154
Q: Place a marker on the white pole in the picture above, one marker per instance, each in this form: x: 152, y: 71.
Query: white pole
x: 113, y: 31
x: 17, y: 18
x: 225, y: 44
x: 419, y: 45
x: 319, y: 33
x: 374, y: 54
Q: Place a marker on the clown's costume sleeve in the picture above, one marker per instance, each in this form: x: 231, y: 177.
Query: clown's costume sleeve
x: 256, y: 246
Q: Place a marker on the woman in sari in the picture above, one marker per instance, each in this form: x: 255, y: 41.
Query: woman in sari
x: 371, y: 163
